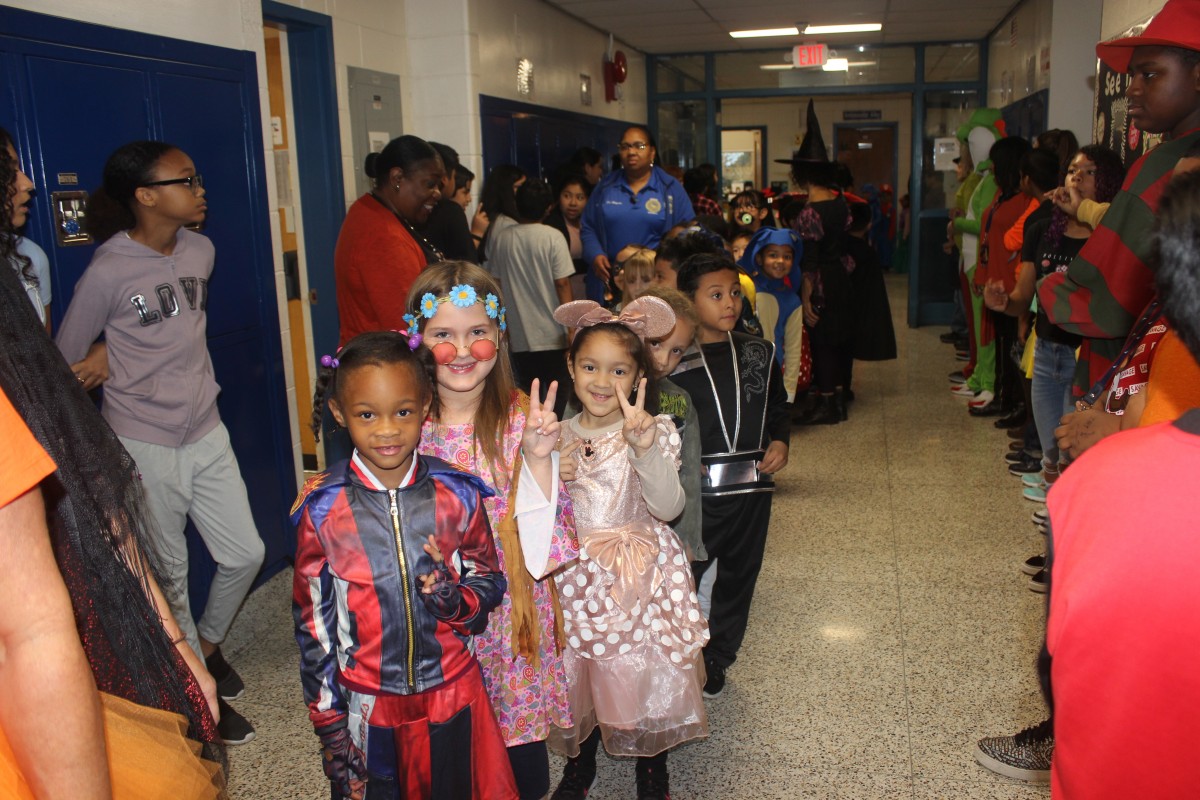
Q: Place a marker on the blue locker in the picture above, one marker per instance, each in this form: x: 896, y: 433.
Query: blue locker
x: 78, y: 91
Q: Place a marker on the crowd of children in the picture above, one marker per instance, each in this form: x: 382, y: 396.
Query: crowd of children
x: 487, y: 577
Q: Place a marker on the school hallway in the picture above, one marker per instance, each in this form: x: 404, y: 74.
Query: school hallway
x: 891, y: 628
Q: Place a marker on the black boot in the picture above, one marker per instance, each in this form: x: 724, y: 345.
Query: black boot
x: 579, y: 775
x: 827, y: 412
x: 841, y: 399
x: 652, y: 782
x: 804, y: 407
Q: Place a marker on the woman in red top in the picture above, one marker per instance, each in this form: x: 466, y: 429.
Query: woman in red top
x: 378, y: 253
x: 997, y: 262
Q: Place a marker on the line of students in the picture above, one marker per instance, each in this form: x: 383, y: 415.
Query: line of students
x: 1115, y: 384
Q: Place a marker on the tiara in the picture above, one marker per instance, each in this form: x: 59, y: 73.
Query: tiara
x: 464, y: 296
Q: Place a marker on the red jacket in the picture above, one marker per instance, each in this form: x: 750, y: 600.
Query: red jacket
x: 375, y: 262
x: 362, y: 621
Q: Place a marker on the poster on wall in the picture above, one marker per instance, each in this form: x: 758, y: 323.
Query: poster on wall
x: 1111, y: 111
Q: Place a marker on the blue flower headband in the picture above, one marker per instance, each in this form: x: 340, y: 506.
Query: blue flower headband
x: 464, y: 296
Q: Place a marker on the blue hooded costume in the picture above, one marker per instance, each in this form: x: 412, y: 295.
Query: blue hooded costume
x: 779, y: 307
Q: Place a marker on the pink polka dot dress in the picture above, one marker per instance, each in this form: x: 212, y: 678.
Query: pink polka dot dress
x: 630, y: 612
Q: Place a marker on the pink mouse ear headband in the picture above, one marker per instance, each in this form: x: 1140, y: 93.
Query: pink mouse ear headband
x: 647, y: 317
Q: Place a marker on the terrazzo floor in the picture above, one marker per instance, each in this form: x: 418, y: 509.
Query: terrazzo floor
x: 890, y: 630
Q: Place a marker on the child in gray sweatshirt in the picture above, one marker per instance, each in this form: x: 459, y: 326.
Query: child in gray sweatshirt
x: 146, y: 290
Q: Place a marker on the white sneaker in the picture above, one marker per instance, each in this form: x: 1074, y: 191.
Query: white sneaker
x: 963, y: 391
x: 982, y: 399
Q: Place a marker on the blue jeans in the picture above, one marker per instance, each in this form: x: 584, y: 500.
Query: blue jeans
x: 1053, y: 375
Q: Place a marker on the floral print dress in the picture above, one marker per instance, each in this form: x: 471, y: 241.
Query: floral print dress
x: 527, y: 699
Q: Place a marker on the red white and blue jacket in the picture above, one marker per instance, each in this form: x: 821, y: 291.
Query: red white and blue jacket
x: 362, y: 621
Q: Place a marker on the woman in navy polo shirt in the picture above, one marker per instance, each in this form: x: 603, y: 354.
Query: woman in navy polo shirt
x: 637, y: 204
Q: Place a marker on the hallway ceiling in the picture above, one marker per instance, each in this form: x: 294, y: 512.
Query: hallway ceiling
x: 688, y: 26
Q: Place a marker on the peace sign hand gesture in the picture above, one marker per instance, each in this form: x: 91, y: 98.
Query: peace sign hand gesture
x: 639, y: 425
x: 541, y: 423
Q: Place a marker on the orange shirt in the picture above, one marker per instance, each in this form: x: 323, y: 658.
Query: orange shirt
x: 1174, y: 382
x: 25, y: 463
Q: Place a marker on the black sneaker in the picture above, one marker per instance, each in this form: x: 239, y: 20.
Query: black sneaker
x: 1037, y: 583
x: 577, y: 781
x: 229, y: 683
x: 1026, y: 467
x: 715, y: 684
x: 652, y: 780
x: 1025, y: 756
x: 1033, y: 565
x: 233, y: 727
x: 949, y: 337
x: 958, y: 377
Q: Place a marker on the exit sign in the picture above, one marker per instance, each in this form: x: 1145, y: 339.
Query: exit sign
x: 810, y: 55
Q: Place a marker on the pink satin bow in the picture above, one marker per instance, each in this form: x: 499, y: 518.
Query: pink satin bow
x: 630, y: 555
x: 647, y: 317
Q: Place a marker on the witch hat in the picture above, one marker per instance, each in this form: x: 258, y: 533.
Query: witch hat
x: 812, y: 146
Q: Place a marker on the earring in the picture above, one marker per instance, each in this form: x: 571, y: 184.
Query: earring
x: 396, y: 186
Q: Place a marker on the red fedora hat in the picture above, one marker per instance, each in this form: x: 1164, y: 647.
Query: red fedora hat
x: 1176, y: 25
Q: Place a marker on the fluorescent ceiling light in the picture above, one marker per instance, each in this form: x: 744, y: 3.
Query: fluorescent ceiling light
x: 836, y: 65
x: 776, y: 66
x: 866, y: 27
x: 861, y: 63
x: 792, y: 31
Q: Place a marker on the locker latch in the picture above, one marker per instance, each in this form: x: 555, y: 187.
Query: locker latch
x: 70, y: 218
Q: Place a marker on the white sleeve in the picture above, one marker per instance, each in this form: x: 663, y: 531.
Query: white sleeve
x: 535, y: 516
x: 793, y: 344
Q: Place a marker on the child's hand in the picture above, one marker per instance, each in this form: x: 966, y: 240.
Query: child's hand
x: 428, y: 582
x: 811, y: 317
x: 541, y: 424
x: 567, y: 462
x: 639, y: 425
x: 1067, y: 199
x: 994, y: 296
x: 775, y: 458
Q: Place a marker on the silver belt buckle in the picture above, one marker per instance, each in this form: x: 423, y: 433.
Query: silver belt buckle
x: 721, y: 475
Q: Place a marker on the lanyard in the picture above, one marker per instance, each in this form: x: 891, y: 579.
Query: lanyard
x: 737, y: 385
x: 1140, y: 329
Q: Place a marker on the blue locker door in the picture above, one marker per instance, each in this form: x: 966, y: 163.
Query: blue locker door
x: 64, y: 139
x: 207, y: 113
x: 78, y: 92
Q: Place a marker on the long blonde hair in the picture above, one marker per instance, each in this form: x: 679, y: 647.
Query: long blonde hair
x: 491, y: 418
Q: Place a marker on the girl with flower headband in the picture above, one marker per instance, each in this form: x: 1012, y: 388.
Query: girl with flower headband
x: 631, y: 615
x: 480, y: 422
x: 396, y: 571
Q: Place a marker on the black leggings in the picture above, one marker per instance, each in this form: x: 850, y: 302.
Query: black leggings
x: 531, y: 767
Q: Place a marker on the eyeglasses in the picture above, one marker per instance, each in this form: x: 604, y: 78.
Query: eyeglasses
x: 480, y: 350
x: 623, y: 146
x: 193, y: 182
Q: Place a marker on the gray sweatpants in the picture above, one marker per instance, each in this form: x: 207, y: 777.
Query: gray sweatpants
x: 201, y: 481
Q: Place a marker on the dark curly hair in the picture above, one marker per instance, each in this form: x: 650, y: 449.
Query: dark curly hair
x: 372, y: 349
x: 1175, y: 258
x: 9, y: 168
x: 1110, y: 174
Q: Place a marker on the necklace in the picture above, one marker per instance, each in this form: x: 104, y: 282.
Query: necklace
x: 435, y: 255
x: 737, y: 395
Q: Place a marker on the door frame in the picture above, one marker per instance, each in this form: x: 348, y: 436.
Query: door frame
x: 318, y: 157
x: 763, y: 159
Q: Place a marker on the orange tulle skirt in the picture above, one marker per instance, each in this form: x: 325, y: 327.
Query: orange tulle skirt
x: 149, y: 758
